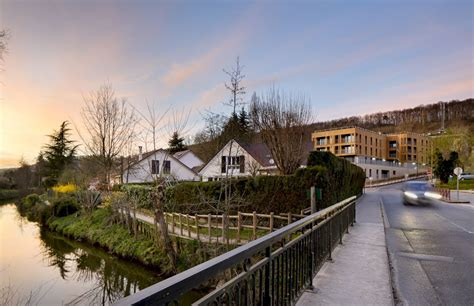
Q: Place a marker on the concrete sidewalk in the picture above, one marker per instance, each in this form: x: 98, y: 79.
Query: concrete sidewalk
x: 359, y: 273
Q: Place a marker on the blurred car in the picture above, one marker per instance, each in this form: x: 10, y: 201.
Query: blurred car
x: 419, y: 192
x: 466, y: 176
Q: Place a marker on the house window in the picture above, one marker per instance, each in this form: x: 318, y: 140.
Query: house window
x: 155, y: 167
x: 233, y: 163
x: 166, y: 167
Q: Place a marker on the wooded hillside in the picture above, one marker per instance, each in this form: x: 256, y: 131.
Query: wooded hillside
x: 422, y: 119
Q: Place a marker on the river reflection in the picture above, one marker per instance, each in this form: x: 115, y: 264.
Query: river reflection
x: 43, y: 268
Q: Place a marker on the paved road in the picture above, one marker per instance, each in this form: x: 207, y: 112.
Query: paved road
x: 431, y: 250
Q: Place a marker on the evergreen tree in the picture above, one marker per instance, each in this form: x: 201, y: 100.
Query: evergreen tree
x: 443, y: 168
x: 60, y: 152
x: 244, y: 121
x: 176, y: 143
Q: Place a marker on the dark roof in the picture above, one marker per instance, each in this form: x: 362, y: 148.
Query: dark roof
x: 263, y: 155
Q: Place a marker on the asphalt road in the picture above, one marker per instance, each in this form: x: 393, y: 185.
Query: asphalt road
x: 431, y: 249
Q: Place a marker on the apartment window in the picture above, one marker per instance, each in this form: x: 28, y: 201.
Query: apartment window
x: 155, y: 167
x: 366, y: 142
x: 409, y: 157
x: 394, y: 172
x: 376, y: 152
x: 365, y: 150
x: 376, y: 142
x: 371, y: 141
x: 414, y: 141
x: 166, y: 167
x: 321, y: 141
x: 371, y: 152
x: 370, y: 172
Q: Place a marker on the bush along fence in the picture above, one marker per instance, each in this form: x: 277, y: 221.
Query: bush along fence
x: 272, y: 270
x: 337, y: 178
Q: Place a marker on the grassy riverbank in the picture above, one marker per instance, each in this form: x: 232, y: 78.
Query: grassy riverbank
x: 98, y: 230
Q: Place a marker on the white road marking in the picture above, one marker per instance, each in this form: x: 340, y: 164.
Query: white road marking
x: 459, y: 226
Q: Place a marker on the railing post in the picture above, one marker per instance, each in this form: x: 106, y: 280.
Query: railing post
x: 271, y: 222
x: 254, y: 225
x: 330, y: 239
x: 181, y: 224
x: 313, y: 199
x: 238, y: 226
x: 289, y: 218
x: 267, y: 297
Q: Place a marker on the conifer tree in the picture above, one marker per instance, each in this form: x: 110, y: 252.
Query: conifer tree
x: 60, y: 152
x: 176, y: 143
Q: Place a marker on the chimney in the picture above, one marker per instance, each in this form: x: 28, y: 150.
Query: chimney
x: 140, y: 153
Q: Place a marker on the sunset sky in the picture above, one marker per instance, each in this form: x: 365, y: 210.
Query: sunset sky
x: 349, y: 59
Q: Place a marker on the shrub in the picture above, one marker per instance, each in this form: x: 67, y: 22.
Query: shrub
x: 65, y: 188
x: 5, y: 183
x: 64, y: 206
x: 30, y: 200
x: 8, y: 194
x: 40, y: 213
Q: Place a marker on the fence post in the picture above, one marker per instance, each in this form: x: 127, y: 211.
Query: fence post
x: 209, y: 220
x: 197, y: 227
x: 223, y: 227
x: 313, y: 199
x: 172, y: 223
x: 187, y: 225
x: 271, y: 222
x: 238, y: 226
x: 289, y: 218
x: 254, y: 225
x: 181, y: 224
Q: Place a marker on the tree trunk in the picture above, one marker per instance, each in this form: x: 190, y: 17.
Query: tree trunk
x: 159, y: 200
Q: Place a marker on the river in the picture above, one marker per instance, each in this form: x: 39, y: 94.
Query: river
x: 39, y: 267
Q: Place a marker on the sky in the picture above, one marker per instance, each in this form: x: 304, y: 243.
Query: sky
x: 348, y: 58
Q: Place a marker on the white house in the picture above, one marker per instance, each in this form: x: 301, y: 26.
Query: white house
x: 239, y: 159
x: 158, y: 163
x: 189, y: 158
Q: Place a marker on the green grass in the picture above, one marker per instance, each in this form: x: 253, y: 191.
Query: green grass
x: 96, y: 229
x: 463, y: 185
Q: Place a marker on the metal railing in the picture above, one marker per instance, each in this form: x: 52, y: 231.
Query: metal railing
x: 272, y: 270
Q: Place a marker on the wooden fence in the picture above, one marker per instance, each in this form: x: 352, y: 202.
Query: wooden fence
x: 234, y: 229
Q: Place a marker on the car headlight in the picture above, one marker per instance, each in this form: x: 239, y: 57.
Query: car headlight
x: 411, y: 195
x: 433, y: 195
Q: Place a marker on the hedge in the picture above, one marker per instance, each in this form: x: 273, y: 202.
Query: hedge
x: 8, y: 194
x: 337, y: 178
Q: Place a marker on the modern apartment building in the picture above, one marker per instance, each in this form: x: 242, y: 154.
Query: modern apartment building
x: 380, y: 155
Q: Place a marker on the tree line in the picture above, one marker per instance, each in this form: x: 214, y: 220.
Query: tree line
x: 421, y: 116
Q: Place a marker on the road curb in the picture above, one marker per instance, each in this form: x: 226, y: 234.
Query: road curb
x: 393, y: 283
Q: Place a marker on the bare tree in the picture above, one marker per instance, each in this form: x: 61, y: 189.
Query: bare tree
x: 4, y: 35
x: 153, y: 126
x: 281, y: 120
x: 110, y: 126
x: 235, y: 85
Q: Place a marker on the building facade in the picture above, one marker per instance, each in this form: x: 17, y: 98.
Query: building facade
x: 382, y: 156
